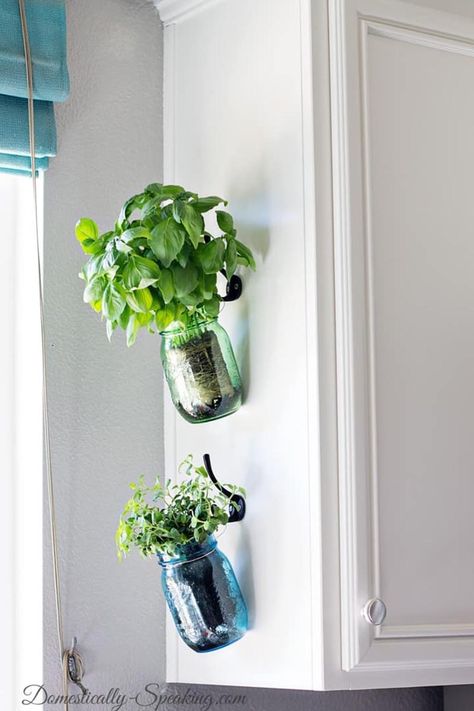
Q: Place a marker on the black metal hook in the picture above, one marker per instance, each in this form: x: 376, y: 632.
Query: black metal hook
x: 237, y: 502
x: 233, y: 290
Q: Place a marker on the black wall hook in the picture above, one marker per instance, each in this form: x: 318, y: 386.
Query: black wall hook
x: 233, y: 290
x: 237, y: 502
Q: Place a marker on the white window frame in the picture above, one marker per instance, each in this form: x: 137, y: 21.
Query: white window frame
x: 21, y: 596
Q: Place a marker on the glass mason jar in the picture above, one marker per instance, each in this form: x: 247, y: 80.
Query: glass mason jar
x: 203, y: 596
x: 201, y: 371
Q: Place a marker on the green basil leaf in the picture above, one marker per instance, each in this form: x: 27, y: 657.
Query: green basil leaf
x: 166, y: 285
x: 124, y: 317
x: 93, y: 267
x: 211, y: 255
x: 203, y: 204
x: 225, y: 221
x: 193, y: 299
x: 171, y: 191
x: 113, y: 302
x: 148, y: 269
x: 90, y: 246
x: 230, y: 257
x: 154, y: 188
x: 164, y: 317
x: 134, y: 203
x: 110, y: 327
x: 131, y: 275
x: 134, y: 233
x: 193, y: 224
x: 140, y: 300
x: 95, y: 289
x: 133, y: 327
x: 185, y: 279
x: 212, y: 307
x: 245, y: 253
x: 86, y: 229
x: 183, y: 257
x: 167, y: 239
x: 208, y: 286
x: 151, y: 208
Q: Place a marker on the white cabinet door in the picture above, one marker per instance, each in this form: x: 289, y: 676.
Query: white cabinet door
x: 402, y: 96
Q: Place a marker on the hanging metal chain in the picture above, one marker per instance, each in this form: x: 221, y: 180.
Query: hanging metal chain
x: 70, y: 659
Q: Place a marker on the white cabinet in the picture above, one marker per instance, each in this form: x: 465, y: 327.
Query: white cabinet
x: 342, y: 134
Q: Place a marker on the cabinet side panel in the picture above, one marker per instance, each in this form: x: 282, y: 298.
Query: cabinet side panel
x: 233, y: 82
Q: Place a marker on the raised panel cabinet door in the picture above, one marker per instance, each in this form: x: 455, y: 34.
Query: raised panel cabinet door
x: 402, y: 97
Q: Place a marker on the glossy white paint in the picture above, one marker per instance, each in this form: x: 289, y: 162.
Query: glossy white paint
x: 239, y: 130
x: 323, y: 125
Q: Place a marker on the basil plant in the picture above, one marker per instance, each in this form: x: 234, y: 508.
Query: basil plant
x: 157, y: 268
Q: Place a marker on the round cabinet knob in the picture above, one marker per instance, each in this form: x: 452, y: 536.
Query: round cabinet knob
x: 374, y: 611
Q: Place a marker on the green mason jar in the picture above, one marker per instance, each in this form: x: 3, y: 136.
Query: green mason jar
x: 201, y: 371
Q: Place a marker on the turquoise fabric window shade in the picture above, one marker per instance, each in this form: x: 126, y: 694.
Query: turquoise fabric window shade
x: 47, y: 31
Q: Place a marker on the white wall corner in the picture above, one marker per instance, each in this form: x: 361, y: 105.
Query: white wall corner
x: 176, y: 10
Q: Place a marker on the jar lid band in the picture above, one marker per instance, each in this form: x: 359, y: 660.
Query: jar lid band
x: 191, y: 560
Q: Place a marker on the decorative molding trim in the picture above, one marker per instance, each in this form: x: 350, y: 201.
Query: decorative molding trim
x: 414, y: 665
x: 177, y: 10
x: 344, y: 330
x: 424, y: 631
x: 420, y: 36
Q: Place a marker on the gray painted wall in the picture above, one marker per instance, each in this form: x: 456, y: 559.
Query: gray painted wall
x: 106, y: 400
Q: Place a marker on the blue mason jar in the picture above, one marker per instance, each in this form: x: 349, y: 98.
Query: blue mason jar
x: 203, y: 596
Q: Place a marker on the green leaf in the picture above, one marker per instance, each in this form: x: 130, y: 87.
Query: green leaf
x: 134, y: 203
x: 166, y: 286
x: 225, y: 221
x: 93, y: 267
x: 135, y: 233
x: 193, y: 299
x: 149, y: 270
x: 230, y: 257
x: 86, y: 229
x: 131, y: 275
x: 151, y: 208
x: 193, y: 224
x: 211, y: 255
x: 113, y: 303
x: 208, y: 285
x: 203, y: 204
x: 185, y: 279
x: 246, y: 254
x: 112, y: 256
x: 171, y: 191
x: 167, y: 239
x: 90, y: 246
x: 212, y: 307
x: 140, y: 300
x: 183, y: 257
x: 95, y: 289
x: 132, y: 329
x: 165, y: 316
x: 154, y: 188
x: 88, y: 235
x: 124, y: 317
x: 110, y: 327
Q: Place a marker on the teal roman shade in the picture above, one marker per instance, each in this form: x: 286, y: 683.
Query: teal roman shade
x: 47, y: 32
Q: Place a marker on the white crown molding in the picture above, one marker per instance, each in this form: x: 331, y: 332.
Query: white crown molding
x: 175, y: 10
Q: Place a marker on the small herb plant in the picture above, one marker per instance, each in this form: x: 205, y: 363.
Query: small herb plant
x: 158, y: 266
x: 158, y: 519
